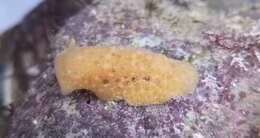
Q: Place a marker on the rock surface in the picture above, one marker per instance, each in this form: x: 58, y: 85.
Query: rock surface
x: 224, y: 103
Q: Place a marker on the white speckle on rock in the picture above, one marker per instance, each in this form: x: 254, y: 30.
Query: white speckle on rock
x: 65, y: 37
x: 257, y: 54
x: 162, y: 110
x: 69, y: 108
x: 86, y: 27
x: 255, y: 29
x: 211, y: 82
x: 34, y: 70
x: 198, y: 135
x: 201, y: 98
x: 180, y: 52
x: 234, y: 83
x: 44, y: 75
x: 191, y: 115
x: 93, y: 12
x: 83, y: 132
x: 150, y: 41
x: 176, y: 130
x: 35, y: 122
x: 237, y: 59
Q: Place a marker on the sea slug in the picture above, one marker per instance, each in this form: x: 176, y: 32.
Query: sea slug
x: 135, y: 75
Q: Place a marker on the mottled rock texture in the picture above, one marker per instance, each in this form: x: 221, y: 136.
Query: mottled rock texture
x: 224, y: 104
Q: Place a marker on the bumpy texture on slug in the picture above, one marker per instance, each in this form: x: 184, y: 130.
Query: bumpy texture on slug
x: 134, y: 75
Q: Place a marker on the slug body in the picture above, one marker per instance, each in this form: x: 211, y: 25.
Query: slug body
x: 137, y: 76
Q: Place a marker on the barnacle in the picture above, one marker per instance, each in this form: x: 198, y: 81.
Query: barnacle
x: 135, y: 75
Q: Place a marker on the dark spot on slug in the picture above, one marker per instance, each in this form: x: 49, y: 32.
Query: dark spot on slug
x: 117, y: 80
x: 127, y: 82
x: 133, y: 79
x: 113, y: 70
x: 105, y: 81
x: 147, y: 78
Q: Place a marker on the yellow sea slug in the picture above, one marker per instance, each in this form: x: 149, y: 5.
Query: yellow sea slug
x: 135, y: 75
